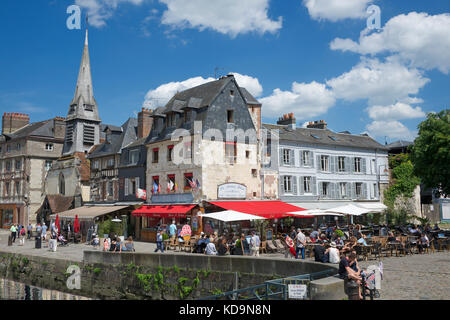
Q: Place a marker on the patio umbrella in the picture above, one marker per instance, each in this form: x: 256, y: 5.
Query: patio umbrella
x: 57, y: 223
x: 231, y: 216
x: 348, y: 210
x: 76, y: 225
x: 315, y: 213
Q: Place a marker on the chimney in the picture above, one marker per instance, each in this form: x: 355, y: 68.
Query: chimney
x: 289, y: 120
x: 321, y: 124
x: 145, y: 122
x: 59, y: 127
x: 11, y: 122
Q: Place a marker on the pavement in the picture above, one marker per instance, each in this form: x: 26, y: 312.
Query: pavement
x: 416, y: 277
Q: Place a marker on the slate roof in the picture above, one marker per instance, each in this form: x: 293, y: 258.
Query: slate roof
x: 325, y: 137
x: 119, y: 139
x: 399, y: 144
x: 41, y: 129
x: 249, y: 99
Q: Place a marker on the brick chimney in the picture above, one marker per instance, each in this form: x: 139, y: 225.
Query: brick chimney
x: 321, y: 124
x: 145, y: 122
x: 59, y: 127
x: 11, y: 122
x: 289, y: 120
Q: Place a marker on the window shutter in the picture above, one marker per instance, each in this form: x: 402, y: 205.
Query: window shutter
x: 376, y: 191
x: 294, y: 185
x: 302, y: 184
x: 347, y: 164
x: 137, y: 183
x: 333, y: 190
x: 311, y: 159
x: 127, y: 182
x: 282, y: 184
x: 353, y: 194
x: 292, y: 157
x: 348, y: 189
x: 333, y: 164
x: 352, y: 164
x: 301, y: 159
x: 281, y: 157
x: 363, y: 166
x: 314, y: 185
x: 364, y: 193
x: 319, y: 168
x: 321, y: 189
x: 339, y: 191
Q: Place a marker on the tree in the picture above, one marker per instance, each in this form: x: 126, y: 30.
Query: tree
x: 431, y: 152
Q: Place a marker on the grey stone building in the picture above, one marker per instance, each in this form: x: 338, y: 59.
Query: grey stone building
x: 27, y: 151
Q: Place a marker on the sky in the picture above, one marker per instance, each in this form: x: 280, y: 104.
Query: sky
x: 320, y: 59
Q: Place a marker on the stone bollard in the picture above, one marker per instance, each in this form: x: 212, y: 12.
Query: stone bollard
x: 9, y: 241
x: 353, y: 290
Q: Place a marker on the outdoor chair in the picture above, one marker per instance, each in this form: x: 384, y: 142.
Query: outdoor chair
x: 263, y: 247
x: 271, y: 247
x: 279, y: 245
x: 172, y: 244
x: 376, y: 250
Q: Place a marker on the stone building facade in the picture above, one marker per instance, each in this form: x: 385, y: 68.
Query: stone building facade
x: 27, y: 151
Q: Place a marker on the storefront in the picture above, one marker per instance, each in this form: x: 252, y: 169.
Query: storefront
x: 10, y: 214
x: 151, y: 217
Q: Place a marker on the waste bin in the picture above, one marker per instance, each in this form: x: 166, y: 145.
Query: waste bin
x: 38, y: 243
x: 9, y: 241
x: 353, y: 290
x: 52, y: 245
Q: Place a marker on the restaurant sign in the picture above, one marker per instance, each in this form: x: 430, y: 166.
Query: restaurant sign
x: 232, y: 191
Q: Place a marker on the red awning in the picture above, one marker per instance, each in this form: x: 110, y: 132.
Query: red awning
x: 265, y: 209
x: 163, y: 211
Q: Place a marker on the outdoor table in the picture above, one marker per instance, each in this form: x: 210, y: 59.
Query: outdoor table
x: 394, y: 245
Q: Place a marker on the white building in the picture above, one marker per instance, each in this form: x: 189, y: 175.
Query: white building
x: 321, y: 169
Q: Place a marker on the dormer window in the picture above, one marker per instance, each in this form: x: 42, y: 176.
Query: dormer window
x: 88, y: 107
x: 72, y: 108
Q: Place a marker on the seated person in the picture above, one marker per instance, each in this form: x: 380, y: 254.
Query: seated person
x: 95, y: 241
x: 339, y: 242
x: 211, y: 249
x: 223, y: 247
x: 319, y: 252
x: 346, y: 272
x: 314, y: 236
x: 333, y: 253
x: 350, y: 245
x: 436, y: 227
x: 128, y: 245
x: 106, y: 244
x: 62, y: 240
x: 423, y: 242
x: 113, y: 245
x: 362, y: 241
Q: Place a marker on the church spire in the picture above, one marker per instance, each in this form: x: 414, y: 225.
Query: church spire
x: 83, y: 104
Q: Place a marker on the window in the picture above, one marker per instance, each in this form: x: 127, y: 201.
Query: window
x: 230, y: 116
x: 8, y: 166
x: 287, y: 184
x: 324, y: 163
x: 247, y: 154
x: 230, y: 152
x: 343, y: 189
x: 89, y: 135
x: 48, y: 165
x: 232, y: 93
x: 69, y: 133
x: 88, y: 107
x: 306, y: 158
x: 307, y: 184
x: 170, y: 153
x: 110, y: 189
x: 111, y: 162
x: 17, y: 188
x: 19, y: 146
x: 187, y: 115
x: 373, y: 166
x: 325, y: 188
x: 358, y: 189
x: 188, y: 181
x: 375, y: 191
x: 155, y: 184
x: 96, y: 164
x: 62, y: 185
x: 357, y: 164
x: 18, y: 164
x: 8, y: 148
x: 286, y: 156
x: 155, y: 155
x: 171, y: 183
x: 72, y: 108
x: 49, y: 147
x: 7, y: 188
x: 254, y: 173
x: 341, y: 164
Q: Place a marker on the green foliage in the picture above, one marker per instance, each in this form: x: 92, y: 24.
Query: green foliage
x: 97, y: 271
x: 107, y: 227
x: 217, y: 292
x: 404, y: 181
x: 431, y: 152
x: 424, y: 221
x: 339, y: 233
x: 398, y: 217
x: 165, y: 236
x: 145, y: 280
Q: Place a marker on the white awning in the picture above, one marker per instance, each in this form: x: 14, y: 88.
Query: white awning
x: 231, y: 216
x: 316, y: 213
x: 372, y: 206
x: 87, y: 213
x: 349, y: 209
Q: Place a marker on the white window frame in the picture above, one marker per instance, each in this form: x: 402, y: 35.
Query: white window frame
x: 358, y: 168
x: 360, y: 189
x: 286, y: 156
x: 306, y: 158
x: 343, y: 189
x: 287, y: 184
x: 325, y: 160
x: 307, y: 185
x: 49, y: 147
x: 341, y: 164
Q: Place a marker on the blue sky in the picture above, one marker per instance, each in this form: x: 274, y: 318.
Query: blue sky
x: 302, y: 56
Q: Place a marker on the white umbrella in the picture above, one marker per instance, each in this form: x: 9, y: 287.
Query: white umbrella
x: 231, y: 216
x: 349, y: 209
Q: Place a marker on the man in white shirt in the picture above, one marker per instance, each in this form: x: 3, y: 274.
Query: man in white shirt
x: 333, y: 253
x: 211, y: 249
x: 301, y: 242
x: 254, y: 244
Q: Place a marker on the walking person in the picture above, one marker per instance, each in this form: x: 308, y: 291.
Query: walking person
x: 13, y: 233
x: 301, y: 242
x: 255, y: 242
x: 44, y: 231
x: 29, y: 229
x: 159, y: 242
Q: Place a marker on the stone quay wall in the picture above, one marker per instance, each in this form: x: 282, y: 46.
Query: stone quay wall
x: 113, y: 276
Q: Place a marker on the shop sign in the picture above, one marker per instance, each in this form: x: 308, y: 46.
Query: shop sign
x: 232, y: 191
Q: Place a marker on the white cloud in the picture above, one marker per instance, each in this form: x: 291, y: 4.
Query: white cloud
x: 160, y: 96
x: 396, y: 111
x: 306, y: 100
x: 419, y: 39
x: 390, y: 129
x: 382, y: 83
x: 101, y: 10
x: 230, y: 17
x: 335, y: 10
